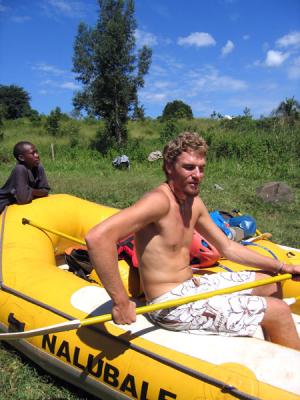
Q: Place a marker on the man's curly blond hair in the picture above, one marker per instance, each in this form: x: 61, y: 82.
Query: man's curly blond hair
x: 185, y: 141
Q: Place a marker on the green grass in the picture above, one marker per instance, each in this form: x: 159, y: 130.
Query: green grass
x: 20, y: 379
x: 240, y: 160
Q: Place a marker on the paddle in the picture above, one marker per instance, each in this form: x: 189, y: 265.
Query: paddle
x: 261, y: 236
x: 75, y: 324
x: 26, y: 221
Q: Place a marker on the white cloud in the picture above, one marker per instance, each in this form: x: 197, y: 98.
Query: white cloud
x: 163, y: 64
x: 228, y: 48
x: 275, y: 58
x: 145, y: 38
x: 294, y: 69
x: 189, y: 85
x: 67, y: 8
x: 198, y: 39
x: 211, y: 80
x: 70, y: 86
x: 44, y: 67
x: 158, y: 70
x: 291, y: 39
x: 50, y: 83
x: 154, y: 97
x: 61, y: 5
x: 162, y: 84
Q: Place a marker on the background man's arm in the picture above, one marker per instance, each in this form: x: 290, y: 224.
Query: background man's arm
x: 23, y: 192
x: 42, y: 188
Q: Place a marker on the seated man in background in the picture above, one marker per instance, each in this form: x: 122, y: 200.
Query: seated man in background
x: 27, y: 180
x: 163, y: 221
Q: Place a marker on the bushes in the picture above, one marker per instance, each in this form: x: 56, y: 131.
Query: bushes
x: 169, y: 130
x: 268, y: 140
x: 253, y: 141
x: 239, y: 124
x: 102, y: 142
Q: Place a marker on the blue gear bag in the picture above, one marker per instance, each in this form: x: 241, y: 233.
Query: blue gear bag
x: 245, y: 222
x: 221, y: 222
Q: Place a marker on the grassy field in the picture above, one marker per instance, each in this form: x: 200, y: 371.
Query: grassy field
x: 242, y: 157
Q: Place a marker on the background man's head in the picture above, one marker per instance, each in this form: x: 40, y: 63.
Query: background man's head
x: 185, y: 141
x: 26, y: 153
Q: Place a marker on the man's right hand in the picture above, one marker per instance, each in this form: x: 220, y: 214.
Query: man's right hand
x: 124, y: 314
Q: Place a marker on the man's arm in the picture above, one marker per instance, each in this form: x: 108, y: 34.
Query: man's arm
x: 42, y: 188
x: 22, y: 190
x: 102, y: 245
x: 39, y: 193
x: 235, y: 251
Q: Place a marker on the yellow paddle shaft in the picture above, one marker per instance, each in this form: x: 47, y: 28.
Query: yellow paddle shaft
x: 82, y: 242
x: 26, y: 221
x: 189, y: 299
x: 76, y: 324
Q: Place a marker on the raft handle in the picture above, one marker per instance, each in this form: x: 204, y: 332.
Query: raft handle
x: 18, y: 325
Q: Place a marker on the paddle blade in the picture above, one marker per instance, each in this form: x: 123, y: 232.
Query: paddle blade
x: 62, y: 327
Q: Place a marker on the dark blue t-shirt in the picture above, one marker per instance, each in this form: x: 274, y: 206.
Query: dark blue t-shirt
x: 19, y: 185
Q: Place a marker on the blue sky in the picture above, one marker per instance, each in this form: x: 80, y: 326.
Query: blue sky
x: 221, y: 55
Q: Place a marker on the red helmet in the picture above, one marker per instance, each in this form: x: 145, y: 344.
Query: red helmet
x: 126, y: 250
x: 202, y: 253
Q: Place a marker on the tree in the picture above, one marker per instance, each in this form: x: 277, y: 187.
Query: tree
x: 247, y: 113
x: 108, y: 68
x: 14, y: 102
x: 213, y: 115
x: 289, y: 108
x: 177, y: 109
x: 34, y: 117
x: 53, y: 122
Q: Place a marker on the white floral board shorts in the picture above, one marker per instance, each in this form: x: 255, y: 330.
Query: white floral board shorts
x: 236, y: 314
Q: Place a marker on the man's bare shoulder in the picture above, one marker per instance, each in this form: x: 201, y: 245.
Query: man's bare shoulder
x: 159, y: 192
x: 198, y: 202
x: 156, y: 198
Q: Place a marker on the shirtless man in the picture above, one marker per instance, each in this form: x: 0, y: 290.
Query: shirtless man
x: 163, y: 221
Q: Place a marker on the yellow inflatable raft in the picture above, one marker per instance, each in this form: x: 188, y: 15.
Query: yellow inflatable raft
x: 140, y: 361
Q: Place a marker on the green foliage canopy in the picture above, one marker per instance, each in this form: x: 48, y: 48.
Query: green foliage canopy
x: 177, y: 109
x: 289, y: 108
x: 14, y: 102
x: 108, y: 68
x: 53, y: 122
